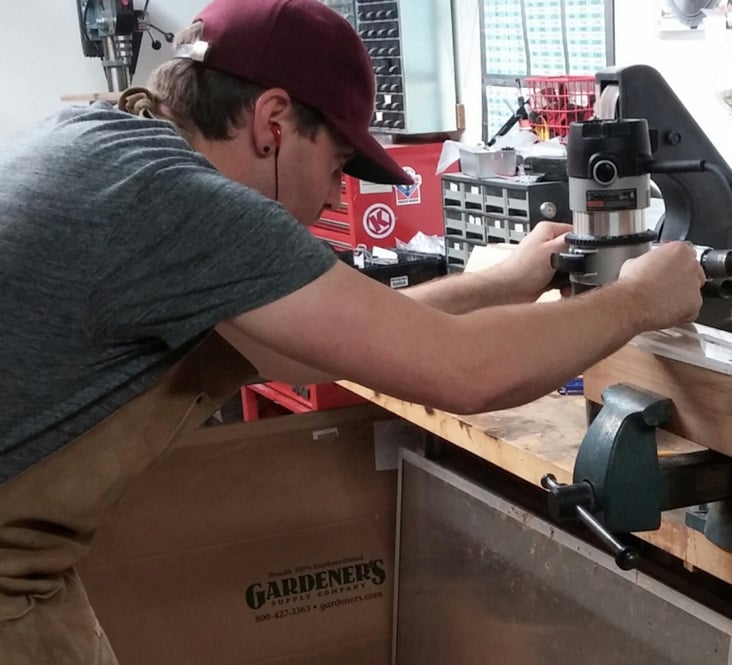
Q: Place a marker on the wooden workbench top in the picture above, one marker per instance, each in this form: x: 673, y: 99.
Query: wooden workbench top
x: 544, y: 437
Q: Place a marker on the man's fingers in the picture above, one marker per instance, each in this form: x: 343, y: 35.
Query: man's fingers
x: 553, y: 229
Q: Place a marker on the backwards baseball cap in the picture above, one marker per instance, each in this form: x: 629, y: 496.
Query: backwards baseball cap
x: 312, y: 52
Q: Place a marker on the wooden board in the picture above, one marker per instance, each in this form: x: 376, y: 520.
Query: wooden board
x: 702, y: 398
x: 111, y: 97
x: 544, y: 437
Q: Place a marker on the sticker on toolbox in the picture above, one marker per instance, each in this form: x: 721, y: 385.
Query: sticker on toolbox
x: 409, y: 194
x: 379, y: 220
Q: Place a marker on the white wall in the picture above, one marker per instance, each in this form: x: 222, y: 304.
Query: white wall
x: 690, y: 61
x: 42, y: 60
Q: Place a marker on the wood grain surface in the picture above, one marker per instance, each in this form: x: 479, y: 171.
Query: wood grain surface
x: 544, y: 437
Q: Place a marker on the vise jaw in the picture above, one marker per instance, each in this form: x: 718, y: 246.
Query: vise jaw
x: 619, y: 458
x: 620, y: 485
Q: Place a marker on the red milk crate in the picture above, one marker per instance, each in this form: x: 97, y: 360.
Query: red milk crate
x: 556, y: 101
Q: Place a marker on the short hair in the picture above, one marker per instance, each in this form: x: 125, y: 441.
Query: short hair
x: 211, y: 101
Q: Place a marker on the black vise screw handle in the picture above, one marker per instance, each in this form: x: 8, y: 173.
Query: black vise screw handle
x: 577, y: 501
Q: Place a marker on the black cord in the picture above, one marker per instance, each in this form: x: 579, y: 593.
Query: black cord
x: 83, y: 20
x: 277, y: 173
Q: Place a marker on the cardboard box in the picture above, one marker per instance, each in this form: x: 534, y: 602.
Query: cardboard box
x: 263, y: 542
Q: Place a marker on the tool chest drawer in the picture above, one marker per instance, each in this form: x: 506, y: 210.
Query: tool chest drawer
x: 466, y: 224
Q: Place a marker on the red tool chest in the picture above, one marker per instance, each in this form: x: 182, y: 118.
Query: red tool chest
x: 377, y: 215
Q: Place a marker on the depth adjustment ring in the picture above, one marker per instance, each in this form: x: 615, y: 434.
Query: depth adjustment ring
x: 586, y: 242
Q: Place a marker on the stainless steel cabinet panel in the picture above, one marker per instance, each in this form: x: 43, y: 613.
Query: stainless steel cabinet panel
x: 482, y: 581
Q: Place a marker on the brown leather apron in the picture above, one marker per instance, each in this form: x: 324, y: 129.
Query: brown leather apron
x: 49, y: 513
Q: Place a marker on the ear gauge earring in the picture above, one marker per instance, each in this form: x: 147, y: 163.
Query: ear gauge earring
x: 266, y: 150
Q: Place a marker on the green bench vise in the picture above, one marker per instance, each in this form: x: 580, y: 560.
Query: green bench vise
x: 621, y: 485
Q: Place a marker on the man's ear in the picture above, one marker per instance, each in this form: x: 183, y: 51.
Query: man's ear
x: 270, y: 118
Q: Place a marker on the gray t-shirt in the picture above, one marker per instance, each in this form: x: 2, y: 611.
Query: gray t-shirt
x: 119, y: 248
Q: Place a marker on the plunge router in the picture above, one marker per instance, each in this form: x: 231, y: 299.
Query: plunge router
x: 609, y: 165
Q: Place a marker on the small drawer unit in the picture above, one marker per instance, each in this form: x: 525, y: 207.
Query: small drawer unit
x: 480, y: 211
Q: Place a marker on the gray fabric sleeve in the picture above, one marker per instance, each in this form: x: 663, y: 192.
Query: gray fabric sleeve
x: 194, y: 250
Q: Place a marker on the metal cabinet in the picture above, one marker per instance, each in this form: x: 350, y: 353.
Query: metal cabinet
x: 411, y: 46
x: 482, y: 580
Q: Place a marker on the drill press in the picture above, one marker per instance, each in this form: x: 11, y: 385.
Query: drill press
x: 112, y: 30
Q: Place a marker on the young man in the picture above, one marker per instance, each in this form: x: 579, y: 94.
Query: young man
x: 127, y: 235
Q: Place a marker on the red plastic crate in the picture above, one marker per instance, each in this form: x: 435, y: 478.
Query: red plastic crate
x: 556, y: 101
x: 297, y: 399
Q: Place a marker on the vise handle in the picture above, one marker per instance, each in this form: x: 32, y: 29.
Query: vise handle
x: 577, y: 501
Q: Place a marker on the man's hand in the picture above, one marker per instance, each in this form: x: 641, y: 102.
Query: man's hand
x: 527, y: 270
x: 668, y: 279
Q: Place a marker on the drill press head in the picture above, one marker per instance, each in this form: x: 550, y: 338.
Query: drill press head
x: 110, y: 30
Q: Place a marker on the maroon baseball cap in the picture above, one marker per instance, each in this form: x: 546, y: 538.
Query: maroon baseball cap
x: 312, y: 52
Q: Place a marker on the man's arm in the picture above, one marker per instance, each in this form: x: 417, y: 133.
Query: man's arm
x: 270, y: 364
x: 519, y: 278
x: 491, y: 358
